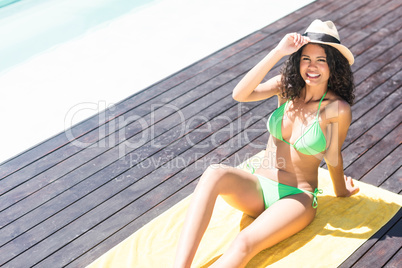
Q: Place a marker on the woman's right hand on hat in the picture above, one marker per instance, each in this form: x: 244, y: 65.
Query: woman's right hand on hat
x: 291, y: 43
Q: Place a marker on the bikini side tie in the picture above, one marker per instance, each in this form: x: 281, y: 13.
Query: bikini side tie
x: 316, y: 191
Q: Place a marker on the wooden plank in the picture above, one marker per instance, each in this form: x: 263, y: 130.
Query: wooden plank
x: 357, y: 37
x: 395, y: 261
x: 367, y: 105
x: 377, y: 43
x: 384, y: 169
x: 187, y: 174
x: 394, y: 182
x: 379, y: 151
x: 376, y: 64
x: 383, y: 249
x: 88, y: 255
x: 136, y: 224
x: 107, y: 174
x: 378, y: 93
x: 95, y: 166
x: 379, y: 25
x: 130, y: 210
x: 63, y: 198
x: 299, y: 14
x: 371, y: 13
x: 369, y: 129
x: 355, y: 257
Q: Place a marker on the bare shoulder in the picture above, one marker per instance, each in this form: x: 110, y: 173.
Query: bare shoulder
x: 338, y: 110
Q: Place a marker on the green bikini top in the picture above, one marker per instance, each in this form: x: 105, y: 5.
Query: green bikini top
x: 311, y: 142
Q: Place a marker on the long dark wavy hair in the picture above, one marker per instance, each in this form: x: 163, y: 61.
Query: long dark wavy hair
x: 340, y: 78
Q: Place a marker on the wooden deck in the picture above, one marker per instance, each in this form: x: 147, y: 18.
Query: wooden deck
x: 70, y: 199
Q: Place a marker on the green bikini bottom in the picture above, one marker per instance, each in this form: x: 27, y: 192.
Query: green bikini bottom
x: 273, y: 191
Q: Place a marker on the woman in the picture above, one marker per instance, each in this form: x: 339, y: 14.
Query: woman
x: 315, y: 91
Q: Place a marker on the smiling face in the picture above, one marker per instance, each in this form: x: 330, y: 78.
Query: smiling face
x: 313, y: 65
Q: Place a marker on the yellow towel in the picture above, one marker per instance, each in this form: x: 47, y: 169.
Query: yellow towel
x: 340, y: 227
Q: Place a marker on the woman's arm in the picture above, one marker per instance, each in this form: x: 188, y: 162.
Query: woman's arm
x: 340, y: 117
x: 250, y: 87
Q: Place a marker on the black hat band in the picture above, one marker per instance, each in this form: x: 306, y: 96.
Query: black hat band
x: 322, y: 37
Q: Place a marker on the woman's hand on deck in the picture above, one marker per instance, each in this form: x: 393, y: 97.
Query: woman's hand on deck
x: 291, y: 43
x: 352, y: 189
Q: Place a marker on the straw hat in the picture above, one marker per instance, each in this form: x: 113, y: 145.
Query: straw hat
x: 326, y: 33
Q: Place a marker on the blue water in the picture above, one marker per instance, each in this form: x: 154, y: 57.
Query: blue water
x: 7, y: 2
x: 29, y: 27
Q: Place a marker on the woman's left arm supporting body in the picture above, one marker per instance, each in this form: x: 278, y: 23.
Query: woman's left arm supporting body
x: 340, y: 117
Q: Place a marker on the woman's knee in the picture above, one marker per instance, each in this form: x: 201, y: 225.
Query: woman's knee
x: 214, y: 175
x: 244, y: 245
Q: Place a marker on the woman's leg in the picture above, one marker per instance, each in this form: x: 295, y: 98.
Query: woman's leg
x: 239, y: 188
x: 280, y: 221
